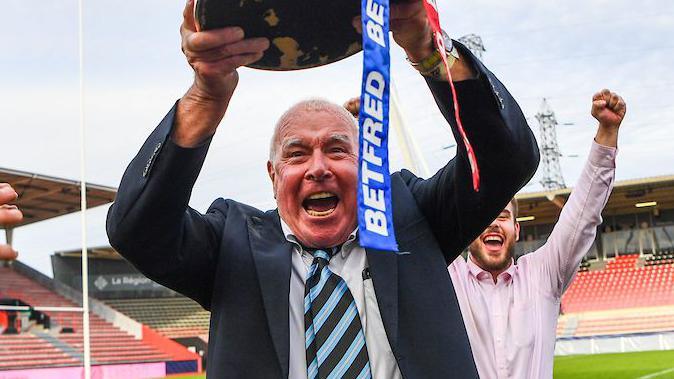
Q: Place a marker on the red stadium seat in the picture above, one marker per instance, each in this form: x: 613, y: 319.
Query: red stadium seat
x: 621, y: 284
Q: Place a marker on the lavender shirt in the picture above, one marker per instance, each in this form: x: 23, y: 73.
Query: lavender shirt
x: 511, y: 325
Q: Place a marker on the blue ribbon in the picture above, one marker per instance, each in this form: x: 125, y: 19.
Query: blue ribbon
x: 375, y: 213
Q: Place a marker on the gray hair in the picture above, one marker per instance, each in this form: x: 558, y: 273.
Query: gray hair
x: 315, y: 104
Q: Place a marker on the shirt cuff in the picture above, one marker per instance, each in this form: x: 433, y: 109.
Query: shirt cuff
x: 602, y: 156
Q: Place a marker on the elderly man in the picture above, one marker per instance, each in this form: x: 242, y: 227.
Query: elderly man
x: 9, y: 215
x: 291, y: 292
x: 511, y: 310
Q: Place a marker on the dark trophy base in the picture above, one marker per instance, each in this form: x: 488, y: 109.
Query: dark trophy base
x: 303, y: 34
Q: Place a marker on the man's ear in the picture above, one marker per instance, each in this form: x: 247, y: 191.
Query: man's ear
x: 272, y: 176
x: 517, y: 231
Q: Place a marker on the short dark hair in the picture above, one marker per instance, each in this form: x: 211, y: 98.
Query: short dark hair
x: 516, y: 207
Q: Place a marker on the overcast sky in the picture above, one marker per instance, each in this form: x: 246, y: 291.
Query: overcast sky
x: 134, y: 72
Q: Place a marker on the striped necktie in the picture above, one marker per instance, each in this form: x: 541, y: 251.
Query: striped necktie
x: 335, y: 341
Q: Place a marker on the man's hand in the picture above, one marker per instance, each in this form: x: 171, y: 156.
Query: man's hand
x: 413, y: 32
x: 609, y: 109
x: 214, y: 55
x: 9, y: 215
x: 411, y: 29
x: 353, y: 106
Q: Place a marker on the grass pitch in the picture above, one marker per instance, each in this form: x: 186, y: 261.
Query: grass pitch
x: 642, y: 365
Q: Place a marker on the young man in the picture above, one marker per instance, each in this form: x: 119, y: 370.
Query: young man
x: 510, y: 310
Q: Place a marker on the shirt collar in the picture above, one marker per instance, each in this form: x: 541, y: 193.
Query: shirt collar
x: 475, y: 270
x: 508, y: 274
x: 346, y: 247
x: 480, y: 274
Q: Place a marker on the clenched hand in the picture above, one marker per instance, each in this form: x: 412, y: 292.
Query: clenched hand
x: 9, y: 215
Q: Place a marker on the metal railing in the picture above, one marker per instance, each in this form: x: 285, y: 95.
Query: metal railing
x: 638, y: 241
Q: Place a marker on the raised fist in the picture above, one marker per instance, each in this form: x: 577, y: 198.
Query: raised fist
x: 353, y: 106
x: 608, y: 108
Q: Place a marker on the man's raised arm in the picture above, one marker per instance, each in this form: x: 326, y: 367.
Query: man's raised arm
x: 150, y: 222
x: 576, y: 228
x: 214, y: 56
x: 507, y: 154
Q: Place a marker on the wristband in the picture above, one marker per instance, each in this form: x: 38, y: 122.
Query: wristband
x: 432, y: 66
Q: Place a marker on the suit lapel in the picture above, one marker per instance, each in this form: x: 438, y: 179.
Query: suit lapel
x: 383, y: 267
x: 272, y: 256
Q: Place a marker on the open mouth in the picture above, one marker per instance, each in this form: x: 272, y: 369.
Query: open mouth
x: 493, y: 241
x: 320, y: 204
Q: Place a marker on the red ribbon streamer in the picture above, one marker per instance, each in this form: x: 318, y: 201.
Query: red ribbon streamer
x: 434, y: 18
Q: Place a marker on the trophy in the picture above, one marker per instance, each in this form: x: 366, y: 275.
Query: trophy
x: 302, y: 34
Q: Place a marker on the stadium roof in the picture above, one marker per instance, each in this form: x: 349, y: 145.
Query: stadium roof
x: 545, y: 206
x: 43, y: 197
x: 101, y: 252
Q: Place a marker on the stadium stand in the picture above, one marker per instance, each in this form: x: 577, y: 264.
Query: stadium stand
x: 660, y: 257
x: 174, y: 317
x: 116, y: 283
x: 617, y: 322
x: 62, y: 343
x: 626, y: 324
x: 28, y: 350
x: 625, y: 282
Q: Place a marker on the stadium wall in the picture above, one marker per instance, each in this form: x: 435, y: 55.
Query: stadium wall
x: 108, y: 278
x: 614, y: 344
x: 179, y: 353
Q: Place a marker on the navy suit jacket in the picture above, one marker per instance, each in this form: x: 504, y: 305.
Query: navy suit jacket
x: 235, y: 261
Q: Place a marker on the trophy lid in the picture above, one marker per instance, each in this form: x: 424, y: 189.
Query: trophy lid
x: 302, y: 34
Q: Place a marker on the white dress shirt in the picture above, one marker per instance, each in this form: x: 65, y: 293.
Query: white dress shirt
x: 512, y: 323
x: 348, y: 263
